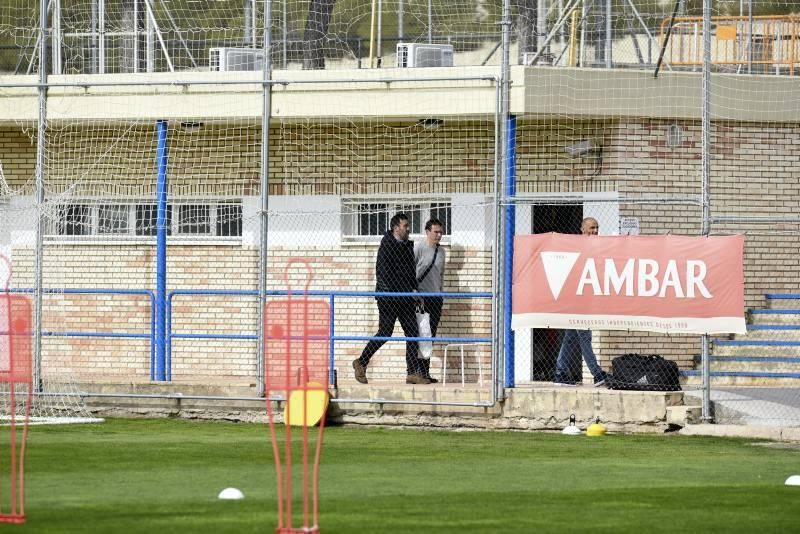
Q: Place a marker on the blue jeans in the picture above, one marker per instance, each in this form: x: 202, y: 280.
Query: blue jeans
x: 584, y: 340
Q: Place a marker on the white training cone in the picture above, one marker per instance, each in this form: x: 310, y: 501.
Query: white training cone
x: 572, y: 429
x: 230, y: 494
x: 793, y: 480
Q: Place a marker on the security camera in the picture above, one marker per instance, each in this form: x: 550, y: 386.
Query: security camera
x: 580, y: 149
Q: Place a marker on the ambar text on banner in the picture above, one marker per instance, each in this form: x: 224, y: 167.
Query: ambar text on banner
x: 673, y: 284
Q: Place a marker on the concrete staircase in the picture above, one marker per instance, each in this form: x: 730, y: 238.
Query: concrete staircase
x: 767, y: 356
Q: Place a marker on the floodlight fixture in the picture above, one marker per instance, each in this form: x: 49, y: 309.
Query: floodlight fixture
x: 580, y: 148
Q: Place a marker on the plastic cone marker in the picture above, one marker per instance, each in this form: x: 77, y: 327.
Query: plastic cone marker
x: 230, y: 494
x: 596, y: 429
x: 793, y: 480
x: 571, y: 429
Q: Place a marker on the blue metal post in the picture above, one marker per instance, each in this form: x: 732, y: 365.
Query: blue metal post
x: 508, y: 257
x: 161, y: 251
x: 331, y: 333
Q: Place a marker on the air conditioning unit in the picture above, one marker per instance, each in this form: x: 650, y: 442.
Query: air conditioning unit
x: 235, y: 59
x: 424, y: 55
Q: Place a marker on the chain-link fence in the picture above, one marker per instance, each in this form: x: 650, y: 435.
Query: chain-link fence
x: 115, y: 36
x: 170, y: 207
x: 754, y: 377
x: 368, y: 201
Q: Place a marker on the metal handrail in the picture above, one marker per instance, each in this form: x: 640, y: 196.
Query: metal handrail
x: 332, y: 337
x: 778, y: 34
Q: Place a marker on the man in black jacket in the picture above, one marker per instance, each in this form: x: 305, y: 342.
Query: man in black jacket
x: 395, y: 272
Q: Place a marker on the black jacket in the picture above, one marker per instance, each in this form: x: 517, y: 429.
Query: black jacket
x: 395, y: 267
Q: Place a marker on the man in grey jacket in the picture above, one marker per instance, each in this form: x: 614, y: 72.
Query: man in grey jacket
x: 394, y: 273
x: 430, y: 258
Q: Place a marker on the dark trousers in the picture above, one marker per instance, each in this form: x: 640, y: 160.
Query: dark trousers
x: 389, y: 311
x: 433, y: 305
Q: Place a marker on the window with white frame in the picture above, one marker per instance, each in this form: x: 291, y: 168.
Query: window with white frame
x: 147, y: 219
x: 194, y: 219
x: 113, y: 219
x: 364, y: 219
x: 139, y: 219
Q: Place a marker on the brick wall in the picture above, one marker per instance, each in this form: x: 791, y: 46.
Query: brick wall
x: 392, y: 158
x: 218, y: 362
x: 18, y: 156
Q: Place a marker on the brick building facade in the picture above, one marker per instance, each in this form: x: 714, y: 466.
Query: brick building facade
x: 318, y: 169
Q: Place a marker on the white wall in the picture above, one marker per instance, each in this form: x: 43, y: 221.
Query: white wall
x: 21, y: 219
x: 606, y: 212
x: 523, y: 338
x: 472, y: 220
x: 303, y: 220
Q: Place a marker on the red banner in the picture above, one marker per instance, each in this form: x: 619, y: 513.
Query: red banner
x: 672, y: 284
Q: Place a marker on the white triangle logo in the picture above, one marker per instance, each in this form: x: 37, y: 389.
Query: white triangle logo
x: 557, y: 266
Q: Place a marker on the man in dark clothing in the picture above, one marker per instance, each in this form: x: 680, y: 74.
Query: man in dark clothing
x: 395, y: 272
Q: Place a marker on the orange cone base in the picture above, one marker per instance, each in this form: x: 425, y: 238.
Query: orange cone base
x: 12, y: 518
x: 298, y: 530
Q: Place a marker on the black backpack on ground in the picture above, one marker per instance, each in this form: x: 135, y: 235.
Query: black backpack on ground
x: 644, y: 372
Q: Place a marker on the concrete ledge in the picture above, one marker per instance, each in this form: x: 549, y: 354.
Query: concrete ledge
x: 538, y: 407
x: 684, y: 415
x: 777, y: 433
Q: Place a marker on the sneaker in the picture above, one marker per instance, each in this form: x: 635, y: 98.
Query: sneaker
x: 564, y: 383
x: 361, y: 371
x: 433, y: 380
x: 600, y: 380
x: 417, y: 379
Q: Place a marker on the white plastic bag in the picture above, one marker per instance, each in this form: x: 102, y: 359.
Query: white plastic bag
x: 424, y: 323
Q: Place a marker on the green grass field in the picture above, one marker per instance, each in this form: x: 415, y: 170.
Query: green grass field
x: 164, y: 475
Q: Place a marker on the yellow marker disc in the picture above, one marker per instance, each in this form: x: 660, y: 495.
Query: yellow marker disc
x: 306, y: 407
x: 596, y: 429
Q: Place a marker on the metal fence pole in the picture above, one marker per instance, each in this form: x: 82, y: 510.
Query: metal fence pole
x: 379, y: 37
x: 254, y: 23
x: 750, y: 37
x: 505, y: 75
x: 40, y: 176
x: 93, y: 44
x: 285, y: 32
x: 136, y: 36
x: 266, y: 112
x: 56, y: 37
x: 609, y: 44
x: 400, y: 20
x: 430, y: 21
x: 101, y: 44
x: 705, y: 186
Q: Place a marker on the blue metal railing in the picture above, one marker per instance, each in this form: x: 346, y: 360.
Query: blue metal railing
x: 70, y: 291
x: 333, y: 338
x: 170, y: 335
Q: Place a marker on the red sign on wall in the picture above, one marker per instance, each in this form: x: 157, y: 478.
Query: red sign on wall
x: 672, y: 284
